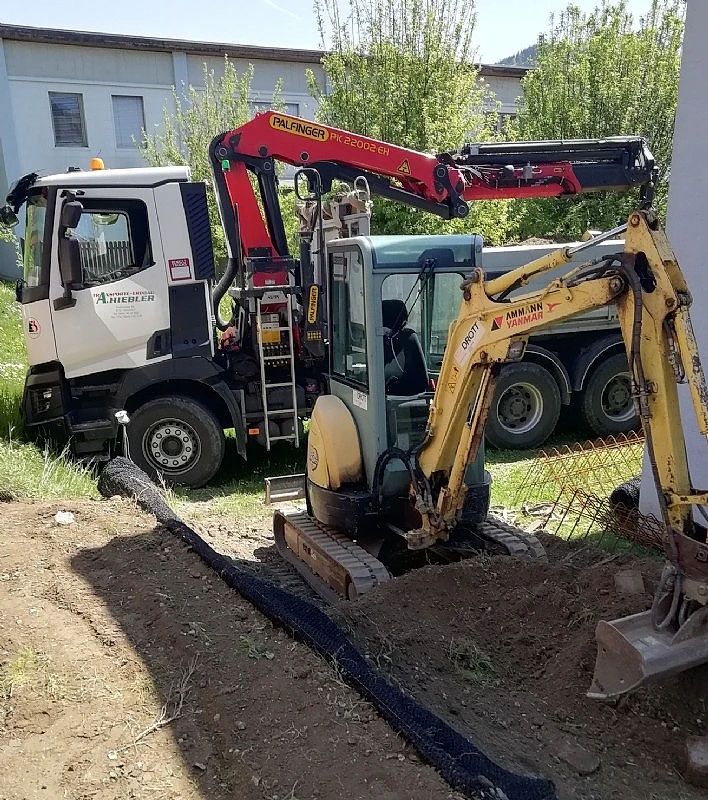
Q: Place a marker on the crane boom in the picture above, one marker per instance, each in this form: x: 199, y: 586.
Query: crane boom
x: 442, y: 184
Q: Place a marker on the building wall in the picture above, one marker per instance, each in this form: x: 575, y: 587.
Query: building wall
x: 34, y: 62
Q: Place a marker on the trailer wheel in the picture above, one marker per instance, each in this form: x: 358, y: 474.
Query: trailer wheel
x: 525, y: 407
x: 178, y: 438
x: 607, y: 406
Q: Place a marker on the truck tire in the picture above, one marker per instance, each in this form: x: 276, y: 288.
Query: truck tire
x: 525, y: 407
x: 177, y: 438
x: 607, y: 406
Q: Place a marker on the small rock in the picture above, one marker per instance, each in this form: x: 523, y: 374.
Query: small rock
x: 629, y: 581
x: 241, y: 725
x: 217, y: 717
x: 578, y: 758
x: 198, y: 765
x: 64, y: 518
x: 695, y: 760
x: 115, y: 497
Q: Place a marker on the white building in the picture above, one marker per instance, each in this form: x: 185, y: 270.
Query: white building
x: 66, y: 96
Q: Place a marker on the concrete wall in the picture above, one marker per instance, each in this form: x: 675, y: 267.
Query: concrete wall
x: 686, y: 222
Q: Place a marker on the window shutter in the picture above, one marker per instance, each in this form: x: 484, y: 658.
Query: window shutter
x: 129, y: 119
x: 68, y: 119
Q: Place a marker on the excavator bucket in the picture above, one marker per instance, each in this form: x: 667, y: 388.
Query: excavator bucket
x: 631, y: 651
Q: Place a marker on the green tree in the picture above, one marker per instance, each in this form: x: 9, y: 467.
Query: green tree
x: 190, y: 123
x: 598, y: 74
x: 403, y: 71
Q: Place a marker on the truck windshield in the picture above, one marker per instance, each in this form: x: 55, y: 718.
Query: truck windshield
x: 34, y: 236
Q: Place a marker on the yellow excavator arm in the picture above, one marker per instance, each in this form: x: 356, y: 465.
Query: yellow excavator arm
x: 645, y: 282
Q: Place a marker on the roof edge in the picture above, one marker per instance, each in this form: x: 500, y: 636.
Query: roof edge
x: 27, y: 33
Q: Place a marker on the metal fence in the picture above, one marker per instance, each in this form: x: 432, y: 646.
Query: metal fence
x: 567, y: 489
x: 101, y: 259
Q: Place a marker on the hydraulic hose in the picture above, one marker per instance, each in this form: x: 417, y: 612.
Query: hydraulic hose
x: 220, y: 290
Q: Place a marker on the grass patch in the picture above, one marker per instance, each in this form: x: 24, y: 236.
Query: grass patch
x: 25, y: 470
x: 238, y: 490
x: 28, y: 472
x: 473, y: 663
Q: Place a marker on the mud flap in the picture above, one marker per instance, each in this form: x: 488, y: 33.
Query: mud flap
x: 631, y: 651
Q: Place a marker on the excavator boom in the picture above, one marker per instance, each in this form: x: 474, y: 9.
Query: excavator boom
x: 645, y: 282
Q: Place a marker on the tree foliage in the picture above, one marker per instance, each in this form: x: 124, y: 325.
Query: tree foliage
x: 403, y: 71
x: 190, y: 123
x: 597, y: 75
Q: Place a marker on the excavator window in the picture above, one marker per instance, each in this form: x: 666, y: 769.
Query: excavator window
x: 347, y: 318
x: 429, y: 311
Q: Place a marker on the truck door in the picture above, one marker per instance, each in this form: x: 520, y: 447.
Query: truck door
x: 120, y: 317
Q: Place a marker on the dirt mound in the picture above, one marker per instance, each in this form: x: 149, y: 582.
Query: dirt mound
x: 505, y: 649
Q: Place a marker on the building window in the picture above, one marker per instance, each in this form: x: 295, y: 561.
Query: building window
x: 68, y: 119
x: 259, y: 106
x: 128, y: 119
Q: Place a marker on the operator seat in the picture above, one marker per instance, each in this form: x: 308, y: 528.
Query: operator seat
x: 405, y: 370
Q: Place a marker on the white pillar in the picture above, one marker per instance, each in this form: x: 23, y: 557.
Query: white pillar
x: 687, y: 223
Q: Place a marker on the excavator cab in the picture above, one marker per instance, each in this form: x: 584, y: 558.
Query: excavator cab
x: 390, y: 302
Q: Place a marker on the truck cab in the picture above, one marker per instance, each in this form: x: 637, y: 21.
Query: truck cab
x: 117, y: 316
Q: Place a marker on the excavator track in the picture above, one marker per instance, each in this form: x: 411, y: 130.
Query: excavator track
x: 333, y: 565
x: 511, y: 540
x: 337, y: 568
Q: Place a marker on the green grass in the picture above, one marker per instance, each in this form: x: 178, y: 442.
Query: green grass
x: 27, y: 471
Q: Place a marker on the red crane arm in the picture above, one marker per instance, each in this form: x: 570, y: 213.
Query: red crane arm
x: 442, y: 184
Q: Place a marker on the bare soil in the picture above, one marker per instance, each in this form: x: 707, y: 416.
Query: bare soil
x: 109, y: 627
x: 106, y: 622
x: 504, y: 649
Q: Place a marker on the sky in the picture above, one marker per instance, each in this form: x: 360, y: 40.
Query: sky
x: 503, y: 26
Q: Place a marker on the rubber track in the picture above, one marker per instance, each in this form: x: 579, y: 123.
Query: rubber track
x: 465, y: 767
x: 364, y: 570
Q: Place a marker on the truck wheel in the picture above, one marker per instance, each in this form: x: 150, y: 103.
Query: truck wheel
x: 607, y: 406
x: 178, y: 438
x: 525, y: 407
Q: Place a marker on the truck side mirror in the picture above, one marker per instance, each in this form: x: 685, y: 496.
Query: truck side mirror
x: 69, y: 254
x: 70, y: 215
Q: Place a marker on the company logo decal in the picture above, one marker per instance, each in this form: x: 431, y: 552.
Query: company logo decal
x: 524, y: 315
x: 299, y: 128
x: 469, y: 343
x: 312, y: 305
x: 135, y: 296
x: 33, y: 328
